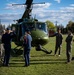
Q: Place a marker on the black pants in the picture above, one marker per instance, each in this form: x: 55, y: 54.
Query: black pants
x: 56, y: 49
x: 7, y: 48
x: 68, y: 52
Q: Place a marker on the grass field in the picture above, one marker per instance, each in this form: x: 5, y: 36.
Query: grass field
x: 41, y: 63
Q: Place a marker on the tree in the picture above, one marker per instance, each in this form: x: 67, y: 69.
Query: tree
x: 50, y: 25
x: 70, y: 25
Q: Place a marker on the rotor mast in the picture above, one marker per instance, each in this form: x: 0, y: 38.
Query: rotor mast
x: 27, y: 13
x: 28, y: 9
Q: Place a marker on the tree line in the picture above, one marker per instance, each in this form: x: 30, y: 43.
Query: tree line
x: 54, y: 28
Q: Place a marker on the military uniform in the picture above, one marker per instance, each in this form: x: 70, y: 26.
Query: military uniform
x: 58, y: 42
x: 6, y: 40
x: 27, y: 48
x: 69, y: 47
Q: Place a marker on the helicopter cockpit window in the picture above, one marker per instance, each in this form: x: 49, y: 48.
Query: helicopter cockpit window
x: 31, y: 26
x: 42, y: 26
x: 26, y: 26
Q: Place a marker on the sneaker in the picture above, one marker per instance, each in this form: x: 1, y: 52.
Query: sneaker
x: 68, y: 62
x: 59, y: 55
x: 7, y: 65
x: 26, y: 65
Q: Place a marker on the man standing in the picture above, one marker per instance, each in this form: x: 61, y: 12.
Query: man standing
x: 69, y: 46
x: 27, y: 47
x: 59, y: 38
x: 6, y: 40
x: 58, y: 44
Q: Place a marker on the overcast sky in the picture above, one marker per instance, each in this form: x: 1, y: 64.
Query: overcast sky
x: 53, y: 10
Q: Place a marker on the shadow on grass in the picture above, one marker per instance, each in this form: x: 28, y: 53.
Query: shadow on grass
x: 43, y: 55
x: 54, y: 62
x: 20, y: 63
x: 49, y: 60
x: 34, y: 63
x: 17, y: 60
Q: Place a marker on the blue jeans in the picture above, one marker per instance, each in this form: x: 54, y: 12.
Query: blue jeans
x: 27, y: 56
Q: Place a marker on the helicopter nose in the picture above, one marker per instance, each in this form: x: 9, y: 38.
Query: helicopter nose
x: 39, y: 37
x: 42, y: 41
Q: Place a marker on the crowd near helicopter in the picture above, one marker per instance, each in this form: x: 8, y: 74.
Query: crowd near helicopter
x: 38, y: 29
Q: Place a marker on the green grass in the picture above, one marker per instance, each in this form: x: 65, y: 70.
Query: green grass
x: 41, y: 63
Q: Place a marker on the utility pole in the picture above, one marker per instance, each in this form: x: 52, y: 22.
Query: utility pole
x: 56, y: 25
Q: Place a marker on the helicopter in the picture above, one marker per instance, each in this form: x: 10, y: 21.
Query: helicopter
x: 38, y: 29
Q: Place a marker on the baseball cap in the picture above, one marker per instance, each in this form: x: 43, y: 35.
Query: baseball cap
x: 7, y: 28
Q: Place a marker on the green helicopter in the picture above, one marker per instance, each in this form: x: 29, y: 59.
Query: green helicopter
x: 38, y: 29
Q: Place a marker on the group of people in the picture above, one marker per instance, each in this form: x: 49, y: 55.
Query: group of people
x: 68, y: 41
x: 6, y: 41
x: 9, y: 34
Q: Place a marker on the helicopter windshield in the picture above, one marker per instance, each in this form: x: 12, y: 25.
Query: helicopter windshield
x: 33, y: 26
x: 41, y: 26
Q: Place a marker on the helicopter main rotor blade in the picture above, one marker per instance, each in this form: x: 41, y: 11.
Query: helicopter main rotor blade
x: 18, y: 4
x: 39, y: 3
x: 32, y: 3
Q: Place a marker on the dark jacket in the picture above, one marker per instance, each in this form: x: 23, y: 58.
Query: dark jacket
x: 6, y: 38
x: 59, y: 38
x: 69, y: 39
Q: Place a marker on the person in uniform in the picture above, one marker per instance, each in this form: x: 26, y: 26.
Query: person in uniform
x: 1, y: 45
x: 69, y: 46
x: 58, y: 44
x: 27, y: 47
x: 6, y: 40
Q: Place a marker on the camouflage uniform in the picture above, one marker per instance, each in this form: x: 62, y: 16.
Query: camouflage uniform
x: 69, y: 47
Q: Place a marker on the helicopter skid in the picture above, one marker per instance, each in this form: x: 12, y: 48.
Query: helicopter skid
x: 40, y: 48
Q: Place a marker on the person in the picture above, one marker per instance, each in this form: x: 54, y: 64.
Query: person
x: 59, y: 39
x: 27, y: 47
x: 6, y: 40
x: 1, y: 46
x: 69, y: 46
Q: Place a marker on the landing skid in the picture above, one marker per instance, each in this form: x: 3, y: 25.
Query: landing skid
x: 41, y: 48
x: 72, y: 58
x: 15, y: 49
